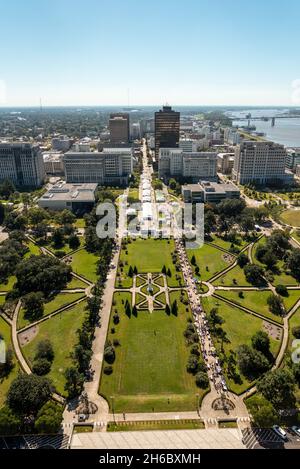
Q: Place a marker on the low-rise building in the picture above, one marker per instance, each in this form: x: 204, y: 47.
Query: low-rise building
x: 75, y: 197
x: 53, y: 163
x: 207, y: 191
x: 225, y: 163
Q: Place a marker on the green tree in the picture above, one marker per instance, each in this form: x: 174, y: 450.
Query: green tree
x: 251, y: 362
x: 28, y: 393
x: 263, y: 413
x: 74, y: 382
x: 167, y: 310
x: 261, y: 342
x: 74, y: 242
x: 281, y: 290
x: 202, y: 380
x: 242, y: 259
x: 33, y: 304
x: 45, y: 350
x: 293, y: 263
x: 109, y: 354
x: 278, y: 388
x: 49, y: 418
x: 10, y: 423
x: 275, y: 304
x: 254, y: 274
x: 41, y: 366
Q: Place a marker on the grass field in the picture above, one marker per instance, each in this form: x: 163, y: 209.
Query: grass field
x: 60, y: 300
x: 5, y: 382
x: 239, y: 327
x: 149, y: 373
x: 233, y: 278
x: 180, y: 424
x: 149, y: 255
x: 210, y: 260
x: 9, y: 285
x: 84, y: 263
x: 34, y: 250
x: 291, y: 217
x: 61, y: 331
x: 76, y: 283
x: 66, y: 248
x: 254, y: 300
x: 222, y: 243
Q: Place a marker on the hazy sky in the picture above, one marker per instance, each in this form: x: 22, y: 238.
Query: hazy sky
x: 200, y: 52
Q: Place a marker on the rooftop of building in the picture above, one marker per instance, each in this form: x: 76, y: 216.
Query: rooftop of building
x: 71, y: 192
x: 209, y: 186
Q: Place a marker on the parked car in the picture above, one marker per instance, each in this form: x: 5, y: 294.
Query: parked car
x: 280, y: 432
x: 296, y: 430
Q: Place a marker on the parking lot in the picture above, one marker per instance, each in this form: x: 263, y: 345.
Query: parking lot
x: 263, y: 438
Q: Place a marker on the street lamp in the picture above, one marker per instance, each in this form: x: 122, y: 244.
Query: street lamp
x: 112, y: 406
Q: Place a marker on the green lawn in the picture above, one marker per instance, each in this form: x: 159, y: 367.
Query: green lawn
x: 254, y: 300
x: 5, y: 382
x: 179, y: 424
x: 9, y: 285
x: 239, y: 327
x: 210, y: 260
x: 148, y: 255
x: 60, y: 300
x: 291, y: 217
x: 61, y: 331
x: 34, y: 250
x: 220, y: 241
x: 84, y: 263
x: 149, y: 373
x: 80, y: 223
x: 233, y: 278
x: 2, y: 299
x: 66, y: 248
x: 76, y: 283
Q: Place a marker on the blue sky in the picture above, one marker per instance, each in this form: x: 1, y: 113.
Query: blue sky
x: 210, y: 52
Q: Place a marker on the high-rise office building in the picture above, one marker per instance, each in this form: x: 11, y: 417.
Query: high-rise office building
x: 119, y: 127
x: 259, y: 162
x: 22, y: 163
x: 167, y: 128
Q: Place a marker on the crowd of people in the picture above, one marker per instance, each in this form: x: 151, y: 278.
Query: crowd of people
x: 201, y: 323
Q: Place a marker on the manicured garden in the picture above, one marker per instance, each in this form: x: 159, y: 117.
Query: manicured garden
x: 149, y: 372
x: 254, y: 300
x: 61, y: 330
x: 239, y: 328
x: 85, y: 263
x: 147, y: 255
x: 59, y: 301
x: 209, y: 260
x: 291, y: 217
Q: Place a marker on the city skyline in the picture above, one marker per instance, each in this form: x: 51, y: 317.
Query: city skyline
x: 95, y: 53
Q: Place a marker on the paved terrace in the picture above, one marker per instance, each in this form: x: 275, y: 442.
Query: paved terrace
x: 229, y: 438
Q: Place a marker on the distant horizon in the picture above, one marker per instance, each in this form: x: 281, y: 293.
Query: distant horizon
x: 159, y: 106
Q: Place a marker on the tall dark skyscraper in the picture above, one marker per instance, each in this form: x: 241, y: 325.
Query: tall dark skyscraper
x: 119, y: 127
x: 167, y: 126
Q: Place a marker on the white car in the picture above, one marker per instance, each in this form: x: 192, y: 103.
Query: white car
x: 280, y: 432
x: 296, y: 430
